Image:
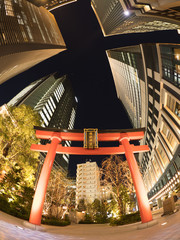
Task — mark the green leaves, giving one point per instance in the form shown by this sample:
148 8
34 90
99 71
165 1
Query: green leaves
18 163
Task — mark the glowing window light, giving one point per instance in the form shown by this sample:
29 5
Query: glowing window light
126 13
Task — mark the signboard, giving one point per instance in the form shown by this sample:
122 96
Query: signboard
90 138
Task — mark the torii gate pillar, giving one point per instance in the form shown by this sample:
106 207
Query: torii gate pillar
38 201
126 148
141 194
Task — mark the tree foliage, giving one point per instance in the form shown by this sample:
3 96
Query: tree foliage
116 171
96 212
82 206
100 209
17 162
60 196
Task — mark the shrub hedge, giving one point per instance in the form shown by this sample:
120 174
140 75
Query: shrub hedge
87 220
56 221
14 209
126 219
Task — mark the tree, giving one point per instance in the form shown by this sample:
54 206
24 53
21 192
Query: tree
60 195
100 209
18 163
116 171
81 205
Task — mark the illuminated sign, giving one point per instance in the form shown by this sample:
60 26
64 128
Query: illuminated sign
90 138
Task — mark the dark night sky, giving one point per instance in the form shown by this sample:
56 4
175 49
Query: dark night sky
86 62
92 79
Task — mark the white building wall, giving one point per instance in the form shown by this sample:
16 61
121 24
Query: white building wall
87 182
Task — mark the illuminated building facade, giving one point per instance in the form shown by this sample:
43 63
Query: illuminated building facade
51 4
116 16
28 35
147 80
87 182
54 100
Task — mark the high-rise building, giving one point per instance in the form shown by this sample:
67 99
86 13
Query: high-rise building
53 98
51 4
87 182
122 16
147 80
28 35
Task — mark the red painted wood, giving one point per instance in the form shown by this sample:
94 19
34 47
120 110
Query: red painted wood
55 147
141 194
39 196
83 151
72 136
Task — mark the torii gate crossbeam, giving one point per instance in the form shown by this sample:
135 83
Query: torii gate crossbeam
56 136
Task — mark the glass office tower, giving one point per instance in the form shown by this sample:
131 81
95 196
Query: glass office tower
54 99
51 4
28 35
147 80
122 16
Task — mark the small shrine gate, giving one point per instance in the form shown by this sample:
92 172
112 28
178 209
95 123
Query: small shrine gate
58 135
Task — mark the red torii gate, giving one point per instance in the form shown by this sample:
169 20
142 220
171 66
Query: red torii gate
58 135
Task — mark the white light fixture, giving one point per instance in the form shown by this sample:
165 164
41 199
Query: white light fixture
126 13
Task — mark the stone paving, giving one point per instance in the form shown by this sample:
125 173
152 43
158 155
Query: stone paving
170 233
168 228
13 232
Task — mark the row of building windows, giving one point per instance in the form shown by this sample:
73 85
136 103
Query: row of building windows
169 137
72 119
111 14
173 105
86 191
49 107
171 63
21 22
66 158
127 76
85 182
165 147
169 177
84 177
162 135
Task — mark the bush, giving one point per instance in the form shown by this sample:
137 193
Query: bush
13 208
126 219
55 221
101 218
87 220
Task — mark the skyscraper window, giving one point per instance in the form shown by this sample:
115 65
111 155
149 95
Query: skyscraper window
162 155
173 105
169 136
9 8
21 24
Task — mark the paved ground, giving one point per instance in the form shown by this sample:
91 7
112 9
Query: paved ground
168 228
